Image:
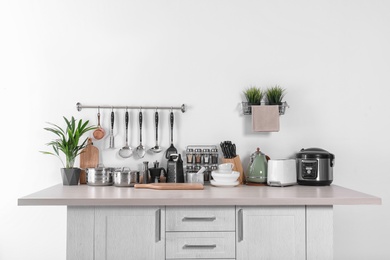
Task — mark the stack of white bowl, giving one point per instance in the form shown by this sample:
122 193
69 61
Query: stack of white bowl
225 176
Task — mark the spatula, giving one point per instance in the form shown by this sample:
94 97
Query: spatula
171 149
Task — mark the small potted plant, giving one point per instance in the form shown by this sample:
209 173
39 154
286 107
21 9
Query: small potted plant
275 96
67 142
253 96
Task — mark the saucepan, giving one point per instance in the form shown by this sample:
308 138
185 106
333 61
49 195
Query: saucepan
124 177
100 176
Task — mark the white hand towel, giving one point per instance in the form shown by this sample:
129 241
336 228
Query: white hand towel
265 118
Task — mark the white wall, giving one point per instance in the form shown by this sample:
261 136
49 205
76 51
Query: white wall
331 56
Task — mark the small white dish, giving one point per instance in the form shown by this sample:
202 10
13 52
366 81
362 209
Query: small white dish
224 184
228 177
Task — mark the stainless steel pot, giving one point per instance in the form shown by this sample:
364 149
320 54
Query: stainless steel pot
100 176
123 177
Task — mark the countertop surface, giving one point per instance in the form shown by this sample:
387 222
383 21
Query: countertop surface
84 195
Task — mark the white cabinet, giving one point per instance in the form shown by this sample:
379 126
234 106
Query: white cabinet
200 232
200 245
129 233
271 233
216 218
116 233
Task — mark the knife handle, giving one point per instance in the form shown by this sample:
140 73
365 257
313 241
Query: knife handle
112 119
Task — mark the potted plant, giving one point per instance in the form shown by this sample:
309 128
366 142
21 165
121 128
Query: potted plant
67 142
253 96
275 96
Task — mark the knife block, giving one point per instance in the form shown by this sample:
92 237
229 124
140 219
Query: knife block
237 167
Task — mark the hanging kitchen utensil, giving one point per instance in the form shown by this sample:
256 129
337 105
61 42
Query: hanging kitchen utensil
156 148
126 151
99 132
112 145
171 149
140 148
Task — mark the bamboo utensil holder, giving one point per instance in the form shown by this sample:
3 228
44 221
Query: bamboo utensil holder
237 167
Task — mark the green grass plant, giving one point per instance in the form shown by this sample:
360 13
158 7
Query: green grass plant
68 139
254 95
275 95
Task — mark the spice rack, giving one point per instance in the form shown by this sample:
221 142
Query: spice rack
198 156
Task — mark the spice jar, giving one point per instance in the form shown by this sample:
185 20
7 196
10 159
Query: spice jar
198 156
206 156
214 156
190 155
207 174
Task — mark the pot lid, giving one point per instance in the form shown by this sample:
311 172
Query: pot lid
315 153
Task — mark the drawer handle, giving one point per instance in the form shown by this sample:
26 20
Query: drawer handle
199 219
158 225
240 226
199 246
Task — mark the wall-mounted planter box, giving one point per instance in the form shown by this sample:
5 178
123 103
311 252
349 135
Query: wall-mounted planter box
247 108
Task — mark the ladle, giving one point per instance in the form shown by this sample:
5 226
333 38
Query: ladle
140 148
126 151
156 148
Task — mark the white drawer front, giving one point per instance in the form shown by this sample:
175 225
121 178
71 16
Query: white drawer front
182 245
200 218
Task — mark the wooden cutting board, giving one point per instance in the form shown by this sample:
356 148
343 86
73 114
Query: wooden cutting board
170 186
89 158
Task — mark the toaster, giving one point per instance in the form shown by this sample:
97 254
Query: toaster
282 172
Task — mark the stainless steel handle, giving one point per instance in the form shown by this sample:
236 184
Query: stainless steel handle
199 218
240 225
158 225
186 246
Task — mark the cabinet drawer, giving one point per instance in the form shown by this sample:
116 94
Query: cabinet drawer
183 245
200 218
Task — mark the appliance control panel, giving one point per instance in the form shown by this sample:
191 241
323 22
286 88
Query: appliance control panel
309 169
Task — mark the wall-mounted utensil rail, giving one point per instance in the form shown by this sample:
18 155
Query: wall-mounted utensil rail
182 108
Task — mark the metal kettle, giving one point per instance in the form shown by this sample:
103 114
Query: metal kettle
257 168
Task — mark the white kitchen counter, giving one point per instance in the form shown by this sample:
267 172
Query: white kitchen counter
101 219
84 195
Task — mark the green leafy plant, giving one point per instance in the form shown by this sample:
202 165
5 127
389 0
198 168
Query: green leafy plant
68 140
253 95
275 95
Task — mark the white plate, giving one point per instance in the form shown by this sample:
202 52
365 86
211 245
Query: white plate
224 184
